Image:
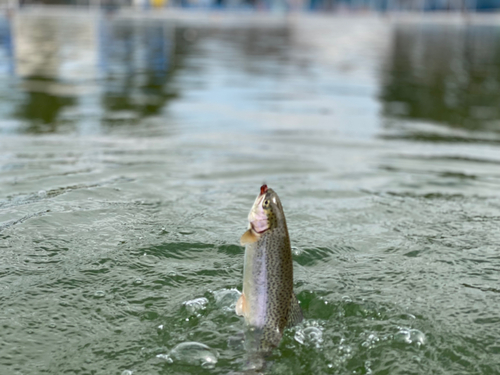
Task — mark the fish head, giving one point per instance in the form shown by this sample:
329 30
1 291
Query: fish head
267 212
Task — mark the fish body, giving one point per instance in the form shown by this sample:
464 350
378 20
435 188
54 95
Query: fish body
268 303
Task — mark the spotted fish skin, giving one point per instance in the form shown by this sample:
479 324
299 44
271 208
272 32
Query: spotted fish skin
268 303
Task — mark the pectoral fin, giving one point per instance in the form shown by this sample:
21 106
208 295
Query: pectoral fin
248 237
295 315
241 306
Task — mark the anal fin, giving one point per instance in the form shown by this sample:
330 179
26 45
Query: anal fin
295 315
241 305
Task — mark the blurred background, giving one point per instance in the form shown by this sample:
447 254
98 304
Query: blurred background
134 137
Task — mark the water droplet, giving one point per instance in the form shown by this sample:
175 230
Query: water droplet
127 372
417 336
408 316
42 194
299 337
346 299
370 341
410 336
138 281
196 305
99 294
52 325
403 336
160 327
296 251
367 367
194 353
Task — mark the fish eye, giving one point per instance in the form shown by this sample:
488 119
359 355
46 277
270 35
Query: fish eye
266 203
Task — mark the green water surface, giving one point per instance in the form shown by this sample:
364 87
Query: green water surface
131 151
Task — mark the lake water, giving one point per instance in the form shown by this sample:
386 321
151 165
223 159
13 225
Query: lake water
131 151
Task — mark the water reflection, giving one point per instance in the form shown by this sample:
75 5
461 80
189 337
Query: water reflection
75 71
6 48
136 62
54 62
112 72
259 51
86 74
445 74
42 104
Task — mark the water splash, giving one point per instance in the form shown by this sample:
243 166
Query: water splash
371 341
196 305
226 298
310 336
192 353
410 336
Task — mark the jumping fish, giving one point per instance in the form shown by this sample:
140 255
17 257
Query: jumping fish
268 302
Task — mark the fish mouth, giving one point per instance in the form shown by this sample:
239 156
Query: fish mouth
257 217
252 225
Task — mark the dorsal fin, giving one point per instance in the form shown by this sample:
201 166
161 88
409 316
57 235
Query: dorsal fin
295 315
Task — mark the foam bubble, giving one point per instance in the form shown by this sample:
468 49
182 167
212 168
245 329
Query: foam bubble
195 305
371 341
311 336
100 294
410 336
192 353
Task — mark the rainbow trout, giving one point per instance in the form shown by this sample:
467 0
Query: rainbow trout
267 303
